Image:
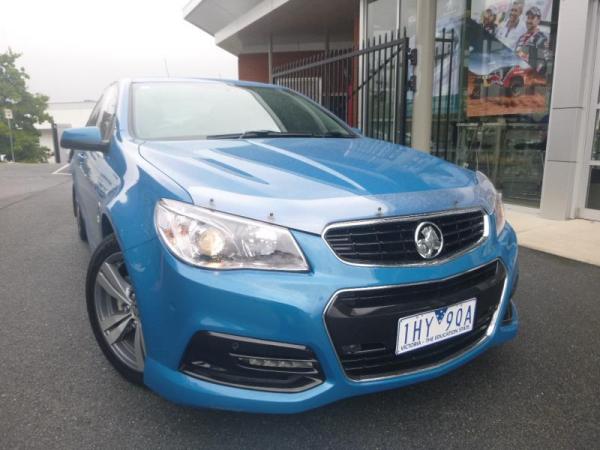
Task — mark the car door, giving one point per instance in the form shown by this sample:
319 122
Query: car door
80 171
93 174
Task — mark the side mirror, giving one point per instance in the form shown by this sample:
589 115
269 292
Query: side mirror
357 130
86 138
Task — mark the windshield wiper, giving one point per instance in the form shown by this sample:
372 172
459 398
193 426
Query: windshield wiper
259 134
335 134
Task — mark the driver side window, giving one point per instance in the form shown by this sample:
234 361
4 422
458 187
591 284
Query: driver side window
93 120
107 111
103 113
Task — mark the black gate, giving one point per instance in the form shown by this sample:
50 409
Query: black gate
369 87
365 87
445 107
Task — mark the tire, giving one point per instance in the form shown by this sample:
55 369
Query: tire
74 201
476 92
516 88
81 231
112 311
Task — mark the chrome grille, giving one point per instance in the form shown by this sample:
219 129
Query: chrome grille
391 241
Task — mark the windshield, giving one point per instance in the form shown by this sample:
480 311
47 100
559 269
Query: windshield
214 110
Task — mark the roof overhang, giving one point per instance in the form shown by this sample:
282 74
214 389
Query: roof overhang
246 26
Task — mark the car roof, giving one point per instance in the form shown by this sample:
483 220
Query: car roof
195 80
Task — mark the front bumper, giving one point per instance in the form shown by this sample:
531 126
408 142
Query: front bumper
177 301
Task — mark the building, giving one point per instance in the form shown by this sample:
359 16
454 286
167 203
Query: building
507 87
65 115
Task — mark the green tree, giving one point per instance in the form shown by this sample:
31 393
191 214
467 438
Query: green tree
28 109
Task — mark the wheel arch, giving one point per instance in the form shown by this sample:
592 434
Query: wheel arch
74 199
106 226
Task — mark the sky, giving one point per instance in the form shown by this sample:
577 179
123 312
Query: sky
73 49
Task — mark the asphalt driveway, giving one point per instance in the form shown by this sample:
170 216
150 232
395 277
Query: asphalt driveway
57 391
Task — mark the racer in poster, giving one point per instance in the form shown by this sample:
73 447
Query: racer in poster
533 46
489 20
512 28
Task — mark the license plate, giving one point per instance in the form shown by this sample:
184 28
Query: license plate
434 326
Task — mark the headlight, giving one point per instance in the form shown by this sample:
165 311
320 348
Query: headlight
214 240
494 198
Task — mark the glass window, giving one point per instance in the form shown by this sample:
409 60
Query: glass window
492 89
179 110
107 110
408 18
596 145
93 120
382 17
593 195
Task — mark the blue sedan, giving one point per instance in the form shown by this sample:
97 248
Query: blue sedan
252 252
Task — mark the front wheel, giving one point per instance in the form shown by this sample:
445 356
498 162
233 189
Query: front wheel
113 312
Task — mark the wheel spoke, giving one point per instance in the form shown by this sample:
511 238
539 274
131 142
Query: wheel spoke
115 278
113 283
113 320
117 333
138 346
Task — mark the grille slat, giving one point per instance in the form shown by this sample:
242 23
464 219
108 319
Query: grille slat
391 242
363 323
380 241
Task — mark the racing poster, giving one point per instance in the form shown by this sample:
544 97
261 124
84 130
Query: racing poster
509 57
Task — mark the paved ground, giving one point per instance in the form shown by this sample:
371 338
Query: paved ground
56 390
19 181
574 239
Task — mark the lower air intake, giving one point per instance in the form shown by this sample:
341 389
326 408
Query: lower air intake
251 363
363 323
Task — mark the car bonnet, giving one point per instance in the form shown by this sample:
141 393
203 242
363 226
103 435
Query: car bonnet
308 183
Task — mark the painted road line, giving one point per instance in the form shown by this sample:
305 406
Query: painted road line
59 171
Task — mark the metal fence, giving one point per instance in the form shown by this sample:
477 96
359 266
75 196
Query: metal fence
366 87
369 87
443 132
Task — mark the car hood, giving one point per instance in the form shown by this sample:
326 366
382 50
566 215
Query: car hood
308 183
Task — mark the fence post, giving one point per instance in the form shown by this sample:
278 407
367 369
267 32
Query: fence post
401 90
55 142
270 58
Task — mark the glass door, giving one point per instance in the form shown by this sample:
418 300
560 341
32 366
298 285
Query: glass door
590 198
382 18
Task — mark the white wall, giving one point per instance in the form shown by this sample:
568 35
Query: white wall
74 114
566 134
65 115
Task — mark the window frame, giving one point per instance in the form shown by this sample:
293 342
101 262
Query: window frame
593 109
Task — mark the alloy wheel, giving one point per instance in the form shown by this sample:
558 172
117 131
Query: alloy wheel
117 313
